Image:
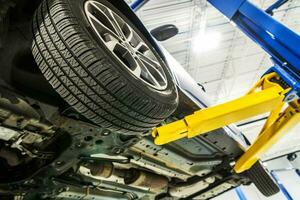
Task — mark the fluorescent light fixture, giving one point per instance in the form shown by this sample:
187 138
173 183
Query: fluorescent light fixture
206 41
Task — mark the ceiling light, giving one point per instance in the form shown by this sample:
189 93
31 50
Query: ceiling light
206 41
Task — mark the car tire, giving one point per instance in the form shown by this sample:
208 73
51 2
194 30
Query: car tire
94 78
261 178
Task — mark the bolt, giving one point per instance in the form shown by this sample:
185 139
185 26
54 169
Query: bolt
106 133
63 190
291 97
118 150
19 122
30 181
78 145
59 163
134 141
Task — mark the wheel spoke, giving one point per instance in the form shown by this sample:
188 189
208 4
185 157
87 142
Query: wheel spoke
153 67
129 34
127 58
147 75
141 47
138 70
116 23
154 64
100 20
122 52
111 42
144 50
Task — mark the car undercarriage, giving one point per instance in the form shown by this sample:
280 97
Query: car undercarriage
51 149
66 157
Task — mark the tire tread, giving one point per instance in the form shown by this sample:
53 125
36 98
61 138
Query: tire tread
85 79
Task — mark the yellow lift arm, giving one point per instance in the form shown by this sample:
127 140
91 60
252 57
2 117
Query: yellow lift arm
266 96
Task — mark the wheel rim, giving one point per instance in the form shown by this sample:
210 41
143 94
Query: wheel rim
126 45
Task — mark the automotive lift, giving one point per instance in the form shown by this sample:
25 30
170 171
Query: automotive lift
278 91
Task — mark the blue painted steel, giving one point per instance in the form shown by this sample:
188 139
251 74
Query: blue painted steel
137 4
281 43
240 193
290 80
298 172
275 6
229 7
281 186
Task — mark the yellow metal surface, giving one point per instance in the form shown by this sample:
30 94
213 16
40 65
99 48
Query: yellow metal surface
262 98
176 130
269 136
273 116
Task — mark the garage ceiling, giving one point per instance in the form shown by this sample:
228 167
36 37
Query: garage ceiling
217 54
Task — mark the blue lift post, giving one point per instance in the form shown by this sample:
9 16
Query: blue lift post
281 43
298 172
240 193
137 4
